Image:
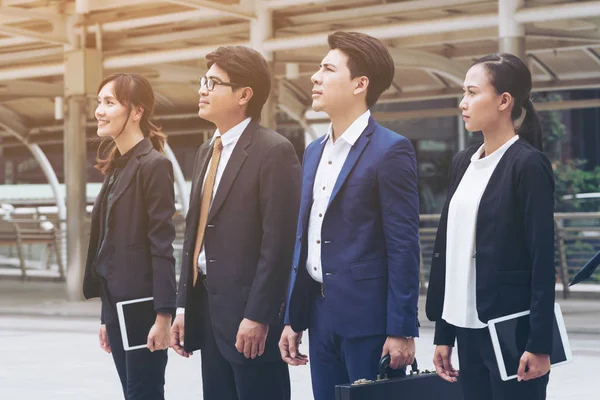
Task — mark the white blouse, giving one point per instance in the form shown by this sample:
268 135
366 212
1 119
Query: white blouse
460 305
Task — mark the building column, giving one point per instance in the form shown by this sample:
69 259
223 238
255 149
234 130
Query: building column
261 29
511 33
83 74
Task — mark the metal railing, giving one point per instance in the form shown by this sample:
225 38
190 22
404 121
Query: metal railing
21 233
577 240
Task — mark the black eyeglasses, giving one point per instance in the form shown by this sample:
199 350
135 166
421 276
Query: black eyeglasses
210 83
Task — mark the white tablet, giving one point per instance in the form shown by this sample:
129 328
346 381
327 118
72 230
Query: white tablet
136 318
509 337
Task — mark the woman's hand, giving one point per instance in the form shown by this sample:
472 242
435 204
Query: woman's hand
533 366
442 359
103 338
159 336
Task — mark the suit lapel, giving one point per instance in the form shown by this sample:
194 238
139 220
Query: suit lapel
311 163
353 156
233 167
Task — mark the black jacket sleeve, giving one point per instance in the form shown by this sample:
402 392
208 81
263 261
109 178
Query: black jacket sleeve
280 188
159 196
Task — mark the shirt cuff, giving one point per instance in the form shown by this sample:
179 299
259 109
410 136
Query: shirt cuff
180 310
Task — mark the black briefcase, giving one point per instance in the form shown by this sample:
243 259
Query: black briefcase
416 385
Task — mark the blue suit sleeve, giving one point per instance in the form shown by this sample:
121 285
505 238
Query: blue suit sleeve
397 182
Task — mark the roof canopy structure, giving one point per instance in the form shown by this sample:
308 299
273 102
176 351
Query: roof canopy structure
433 43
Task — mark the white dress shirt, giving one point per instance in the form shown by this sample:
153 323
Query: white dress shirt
460 302
229 139
333 158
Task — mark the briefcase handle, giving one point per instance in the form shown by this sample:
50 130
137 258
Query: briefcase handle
384 364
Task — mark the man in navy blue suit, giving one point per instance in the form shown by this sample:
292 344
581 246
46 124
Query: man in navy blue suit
355 276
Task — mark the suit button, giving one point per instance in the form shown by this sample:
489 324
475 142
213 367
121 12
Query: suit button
210 226
474 255
299 238
436 255
295 268
212 260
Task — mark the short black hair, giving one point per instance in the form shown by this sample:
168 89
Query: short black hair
246 67
367 56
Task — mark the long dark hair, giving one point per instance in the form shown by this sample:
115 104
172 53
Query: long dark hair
508 73
131 90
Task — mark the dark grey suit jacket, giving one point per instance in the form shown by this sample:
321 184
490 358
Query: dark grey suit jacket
138 245
249 240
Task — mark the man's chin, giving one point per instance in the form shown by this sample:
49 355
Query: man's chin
317 106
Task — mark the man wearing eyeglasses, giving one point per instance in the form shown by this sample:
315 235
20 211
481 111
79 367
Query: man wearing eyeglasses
239 236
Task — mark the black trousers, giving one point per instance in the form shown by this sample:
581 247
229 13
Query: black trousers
479 375
141 371
223 380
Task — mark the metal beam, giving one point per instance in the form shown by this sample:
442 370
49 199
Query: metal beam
31 14
556 12
38 36
191 34
231 10
374 11
593 55
542 66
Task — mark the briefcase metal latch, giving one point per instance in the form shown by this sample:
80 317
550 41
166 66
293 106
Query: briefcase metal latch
361 382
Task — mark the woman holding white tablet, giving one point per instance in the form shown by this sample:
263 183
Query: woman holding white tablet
130 253
494 250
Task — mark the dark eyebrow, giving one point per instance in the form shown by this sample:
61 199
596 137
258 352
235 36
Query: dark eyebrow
107 98
216 78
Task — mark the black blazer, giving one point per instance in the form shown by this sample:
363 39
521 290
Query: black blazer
138 244
249 240
514 245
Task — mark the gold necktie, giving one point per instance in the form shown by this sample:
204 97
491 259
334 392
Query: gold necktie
207 193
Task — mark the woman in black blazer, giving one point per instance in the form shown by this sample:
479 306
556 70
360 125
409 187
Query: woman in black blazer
130 253
494 250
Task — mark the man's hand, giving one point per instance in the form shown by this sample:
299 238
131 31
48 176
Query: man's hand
401 351
158 338
533 366
288 346
251 337
177 336
103 338
442 359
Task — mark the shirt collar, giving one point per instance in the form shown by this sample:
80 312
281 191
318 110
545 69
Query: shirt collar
120 161
354 131
232 135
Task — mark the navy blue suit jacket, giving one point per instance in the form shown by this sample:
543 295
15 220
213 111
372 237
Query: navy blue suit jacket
370 236
514 245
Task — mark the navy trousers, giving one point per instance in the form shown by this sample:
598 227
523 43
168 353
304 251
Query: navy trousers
479 375
336 360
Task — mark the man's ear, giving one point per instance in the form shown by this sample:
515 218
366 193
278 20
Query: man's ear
361 84
506 101
245 94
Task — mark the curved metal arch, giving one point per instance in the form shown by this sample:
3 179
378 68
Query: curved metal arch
417 59
182 193
10 121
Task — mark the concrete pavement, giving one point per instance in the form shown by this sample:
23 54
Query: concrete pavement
49 349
